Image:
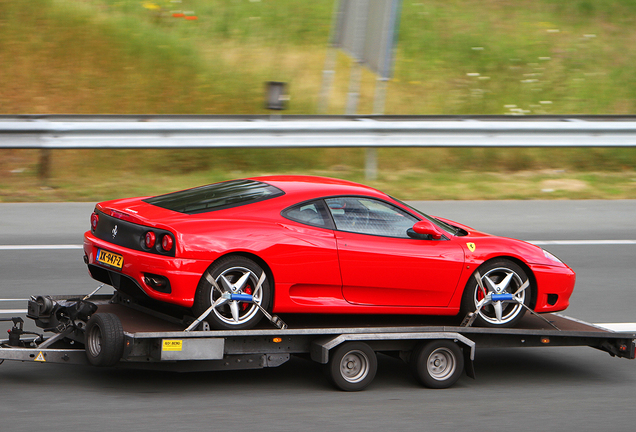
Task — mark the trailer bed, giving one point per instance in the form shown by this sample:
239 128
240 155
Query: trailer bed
157 340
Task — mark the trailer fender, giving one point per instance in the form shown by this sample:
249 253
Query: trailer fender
319 349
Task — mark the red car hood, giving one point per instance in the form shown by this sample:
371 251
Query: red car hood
518 248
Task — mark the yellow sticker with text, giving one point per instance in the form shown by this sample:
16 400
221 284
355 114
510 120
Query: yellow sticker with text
172 345
40 357
471 247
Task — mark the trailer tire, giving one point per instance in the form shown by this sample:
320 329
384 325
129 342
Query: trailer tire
104 339
352 366
437 364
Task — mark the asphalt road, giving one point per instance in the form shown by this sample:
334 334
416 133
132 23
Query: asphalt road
516 389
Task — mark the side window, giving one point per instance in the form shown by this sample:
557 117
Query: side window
369 216
311 213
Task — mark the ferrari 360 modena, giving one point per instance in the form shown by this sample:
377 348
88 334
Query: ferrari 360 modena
301 244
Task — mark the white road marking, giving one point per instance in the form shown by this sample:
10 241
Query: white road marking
619 327
39 247
12 311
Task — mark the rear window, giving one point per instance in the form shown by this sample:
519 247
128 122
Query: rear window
216 196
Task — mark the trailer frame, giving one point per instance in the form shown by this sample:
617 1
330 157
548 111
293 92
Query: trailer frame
438 350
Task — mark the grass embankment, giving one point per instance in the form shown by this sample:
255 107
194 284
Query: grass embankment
453 57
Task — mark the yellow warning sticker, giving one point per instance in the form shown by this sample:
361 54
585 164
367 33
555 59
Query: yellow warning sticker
40 357
172 345
471 247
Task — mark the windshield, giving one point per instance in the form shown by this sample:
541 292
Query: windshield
443 225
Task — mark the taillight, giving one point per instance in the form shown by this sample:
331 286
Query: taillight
167 243
150 239
94 220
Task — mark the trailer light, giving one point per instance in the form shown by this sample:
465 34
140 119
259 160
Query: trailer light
545 340
150 239
94 221
166 243
623 347
277 340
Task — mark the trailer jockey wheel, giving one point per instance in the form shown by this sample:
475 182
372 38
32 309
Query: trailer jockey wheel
104 339
352 366
437 364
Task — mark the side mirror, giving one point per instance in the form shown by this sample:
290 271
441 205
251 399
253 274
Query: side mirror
425 227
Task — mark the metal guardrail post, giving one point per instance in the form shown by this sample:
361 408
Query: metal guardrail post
371 164
44 166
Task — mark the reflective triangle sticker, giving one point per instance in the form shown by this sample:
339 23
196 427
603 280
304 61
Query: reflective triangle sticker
471 247
40 357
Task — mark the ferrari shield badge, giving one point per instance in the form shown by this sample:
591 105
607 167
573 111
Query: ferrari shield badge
471 247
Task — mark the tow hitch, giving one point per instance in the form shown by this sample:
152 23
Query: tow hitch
59 315
18 330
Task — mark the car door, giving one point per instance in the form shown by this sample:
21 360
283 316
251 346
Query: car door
381 265
306 259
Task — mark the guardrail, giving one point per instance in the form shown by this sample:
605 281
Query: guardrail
157 132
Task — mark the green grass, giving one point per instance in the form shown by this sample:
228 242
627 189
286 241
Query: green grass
96 175
453 57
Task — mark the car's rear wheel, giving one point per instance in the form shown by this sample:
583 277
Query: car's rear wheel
497 277
235 285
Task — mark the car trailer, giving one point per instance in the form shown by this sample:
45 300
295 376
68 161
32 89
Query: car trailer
117 331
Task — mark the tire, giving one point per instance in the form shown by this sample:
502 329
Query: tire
437 364
352 366
510 312
104 339
232 315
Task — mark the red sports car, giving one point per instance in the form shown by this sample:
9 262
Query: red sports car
300 244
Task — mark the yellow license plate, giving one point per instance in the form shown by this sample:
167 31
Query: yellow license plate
109 258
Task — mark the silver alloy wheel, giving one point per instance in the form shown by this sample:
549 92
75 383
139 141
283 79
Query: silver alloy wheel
236 280
441 364
501 280
94 341
354 366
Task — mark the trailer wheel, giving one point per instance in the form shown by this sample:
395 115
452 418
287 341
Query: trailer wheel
104 339
352 366
437 364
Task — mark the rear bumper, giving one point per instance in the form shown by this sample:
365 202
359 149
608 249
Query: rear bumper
183 274
554 287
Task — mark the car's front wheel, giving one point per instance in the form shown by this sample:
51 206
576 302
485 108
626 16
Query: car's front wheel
497 293
234 285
